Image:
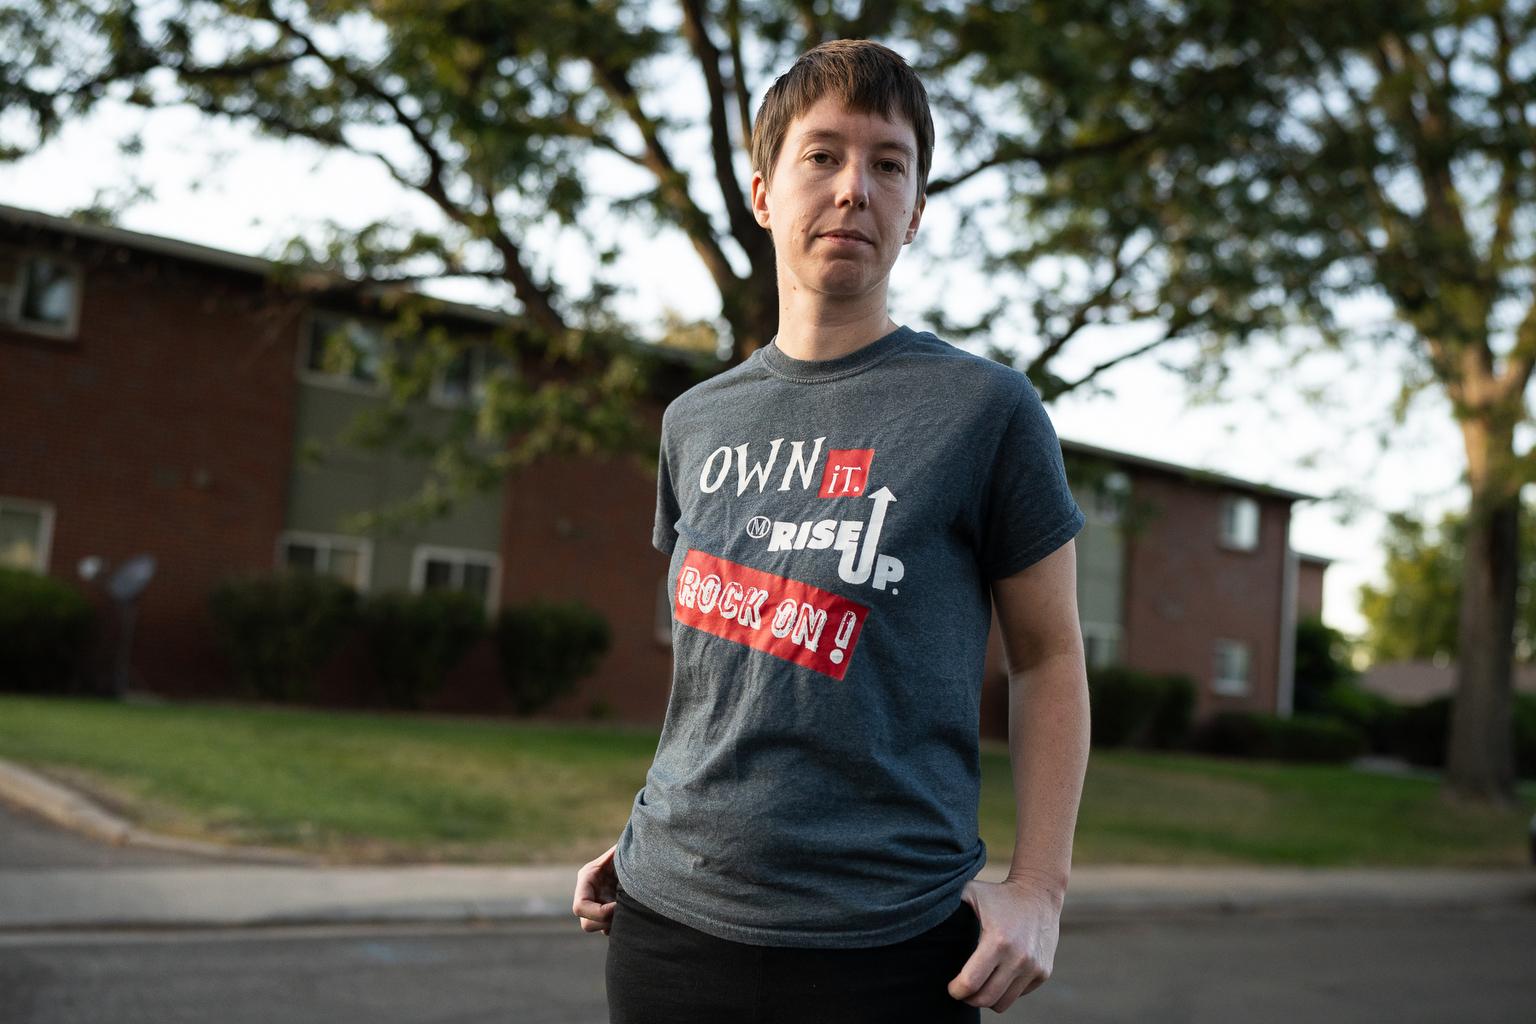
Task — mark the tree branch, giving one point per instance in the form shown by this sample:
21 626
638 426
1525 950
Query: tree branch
739 81
744 226
674 182
1509 99
536 298
1168 335
1009 152
812 31
1079 318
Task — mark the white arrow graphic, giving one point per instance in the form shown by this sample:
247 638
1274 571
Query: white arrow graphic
845 569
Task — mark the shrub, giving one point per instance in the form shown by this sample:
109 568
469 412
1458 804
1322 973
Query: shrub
1263 735
1322 665
1131 708
277 630
415 639
1423 731
1175 712
546 647
1378 717
45 625
1525 735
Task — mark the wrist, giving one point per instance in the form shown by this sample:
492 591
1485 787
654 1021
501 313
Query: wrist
1051 888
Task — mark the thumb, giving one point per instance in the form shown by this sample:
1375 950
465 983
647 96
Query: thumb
971 895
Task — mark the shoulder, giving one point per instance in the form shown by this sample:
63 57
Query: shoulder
708 393
989 384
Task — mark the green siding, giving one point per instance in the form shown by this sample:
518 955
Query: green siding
1100 564
350 481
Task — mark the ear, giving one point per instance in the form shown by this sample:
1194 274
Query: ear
917 217
760 199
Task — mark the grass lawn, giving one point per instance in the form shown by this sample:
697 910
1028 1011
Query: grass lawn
381 788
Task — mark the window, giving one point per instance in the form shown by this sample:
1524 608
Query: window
463 380
1101 644
1231 677
1239 522
344 351
1110 491
26 534
349 559
474 572
40 294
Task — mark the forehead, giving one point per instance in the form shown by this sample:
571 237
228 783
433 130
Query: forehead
829 119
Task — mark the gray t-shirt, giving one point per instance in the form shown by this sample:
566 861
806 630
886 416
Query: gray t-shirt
834 526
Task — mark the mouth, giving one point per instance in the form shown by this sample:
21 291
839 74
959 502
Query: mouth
847 236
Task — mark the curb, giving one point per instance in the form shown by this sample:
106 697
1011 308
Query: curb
258 895
76 812
287 889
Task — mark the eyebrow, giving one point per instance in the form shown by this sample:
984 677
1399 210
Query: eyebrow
825 134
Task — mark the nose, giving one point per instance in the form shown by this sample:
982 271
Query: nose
853 186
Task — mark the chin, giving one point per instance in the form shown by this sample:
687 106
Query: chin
845 280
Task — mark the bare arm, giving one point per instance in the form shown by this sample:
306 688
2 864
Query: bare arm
1048 750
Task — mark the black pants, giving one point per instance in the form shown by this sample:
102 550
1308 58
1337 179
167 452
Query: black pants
663 972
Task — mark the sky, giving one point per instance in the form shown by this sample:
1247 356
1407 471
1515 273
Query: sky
1322 427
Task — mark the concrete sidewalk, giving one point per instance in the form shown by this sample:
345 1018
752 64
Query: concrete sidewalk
228 895
223 887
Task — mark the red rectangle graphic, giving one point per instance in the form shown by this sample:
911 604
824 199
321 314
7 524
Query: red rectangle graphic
783 617
847 472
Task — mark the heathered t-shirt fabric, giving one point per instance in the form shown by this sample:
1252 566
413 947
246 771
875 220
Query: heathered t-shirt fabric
833 527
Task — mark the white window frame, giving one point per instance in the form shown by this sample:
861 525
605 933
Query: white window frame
1231 522
47 513
1223 684
11 296
1102 631
432 552
323 543
336 381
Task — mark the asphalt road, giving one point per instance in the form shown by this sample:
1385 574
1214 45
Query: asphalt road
1398 968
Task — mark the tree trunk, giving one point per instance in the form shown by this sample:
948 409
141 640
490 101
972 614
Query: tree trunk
752 310
1480 762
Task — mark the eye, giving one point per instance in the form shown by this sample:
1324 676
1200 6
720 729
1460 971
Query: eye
819 158
890 166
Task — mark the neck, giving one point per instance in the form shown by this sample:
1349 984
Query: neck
816 326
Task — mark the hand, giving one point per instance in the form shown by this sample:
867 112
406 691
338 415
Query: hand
597 885
1019 928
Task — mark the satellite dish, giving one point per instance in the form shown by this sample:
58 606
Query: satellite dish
132 577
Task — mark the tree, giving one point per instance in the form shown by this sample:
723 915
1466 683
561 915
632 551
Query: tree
1322 663
507 114
1210 170
1379 149
511 116
1413 615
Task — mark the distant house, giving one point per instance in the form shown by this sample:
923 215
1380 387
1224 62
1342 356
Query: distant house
1187 571
1416 682
160 397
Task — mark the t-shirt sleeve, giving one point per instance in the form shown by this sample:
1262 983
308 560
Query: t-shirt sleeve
664 532
1028 509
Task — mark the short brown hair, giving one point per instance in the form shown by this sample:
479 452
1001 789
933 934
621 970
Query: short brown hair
866 76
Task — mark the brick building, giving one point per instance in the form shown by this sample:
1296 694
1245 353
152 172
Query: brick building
161 397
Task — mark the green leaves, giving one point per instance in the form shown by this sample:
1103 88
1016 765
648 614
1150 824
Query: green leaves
1415 613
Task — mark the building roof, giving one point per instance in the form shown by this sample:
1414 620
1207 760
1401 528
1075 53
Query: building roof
1190 473
1414 682
262 267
